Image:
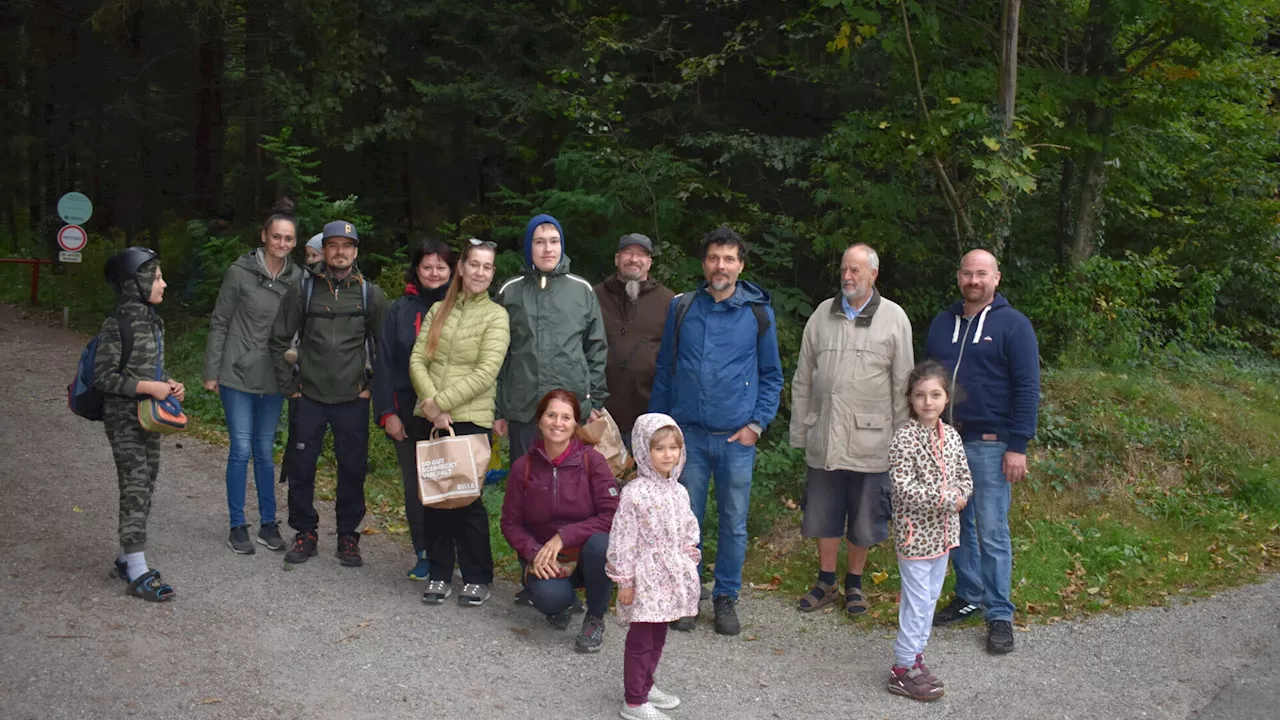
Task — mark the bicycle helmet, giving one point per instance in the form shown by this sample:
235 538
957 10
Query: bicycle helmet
124 265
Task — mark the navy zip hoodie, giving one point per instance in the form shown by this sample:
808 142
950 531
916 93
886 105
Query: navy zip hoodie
997 383
392 389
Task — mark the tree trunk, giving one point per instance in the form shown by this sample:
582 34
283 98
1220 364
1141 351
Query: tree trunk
1008 88
253 108
207 166
1088 204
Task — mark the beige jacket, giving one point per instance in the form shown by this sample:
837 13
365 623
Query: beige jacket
849 392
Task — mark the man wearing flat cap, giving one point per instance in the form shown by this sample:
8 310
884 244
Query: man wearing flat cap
634 307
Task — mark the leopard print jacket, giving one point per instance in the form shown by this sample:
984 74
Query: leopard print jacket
925 491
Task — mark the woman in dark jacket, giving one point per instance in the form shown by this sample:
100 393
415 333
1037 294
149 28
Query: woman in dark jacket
561 496
237 367
427 282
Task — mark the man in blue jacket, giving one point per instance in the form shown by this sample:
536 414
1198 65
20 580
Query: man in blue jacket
991 351
719 376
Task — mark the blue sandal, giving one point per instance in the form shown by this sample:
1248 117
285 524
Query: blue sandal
149 587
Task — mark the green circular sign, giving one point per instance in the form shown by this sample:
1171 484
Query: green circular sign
74 208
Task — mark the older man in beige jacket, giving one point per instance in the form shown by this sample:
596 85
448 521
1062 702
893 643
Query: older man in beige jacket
847 398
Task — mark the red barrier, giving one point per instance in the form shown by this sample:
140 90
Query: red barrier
35 264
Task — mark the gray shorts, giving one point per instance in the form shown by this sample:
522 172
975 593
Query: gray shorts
842 502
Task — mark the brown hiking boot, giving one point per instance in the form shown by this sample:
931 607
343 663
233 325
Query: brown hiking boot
911 682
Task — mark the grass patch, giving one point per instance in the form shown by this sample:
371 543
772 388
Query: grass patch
1147 485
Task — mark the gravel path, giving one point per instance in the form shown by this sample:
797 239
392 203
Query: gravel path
246 639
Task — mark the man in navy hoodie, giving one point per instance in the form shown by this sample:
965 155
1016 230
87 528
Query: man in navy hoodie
719 376
991 351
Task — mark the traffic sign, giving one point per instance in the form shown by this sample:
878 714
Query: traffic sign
74 208
72 238
69 257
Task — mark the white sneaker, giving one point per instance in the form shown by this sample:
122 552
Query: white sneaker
663 700
645 712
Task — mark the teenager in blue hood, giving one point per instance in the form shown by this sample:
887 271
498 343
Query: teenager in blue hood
720 377
557 337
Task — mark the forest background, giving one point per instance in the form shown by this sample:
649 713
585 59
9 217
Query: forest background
1119 156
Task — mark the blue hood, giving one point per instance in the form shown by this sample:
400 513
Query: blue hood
528 237
745 293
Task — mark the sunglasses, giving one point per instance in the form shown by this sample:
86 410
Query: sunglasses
487 243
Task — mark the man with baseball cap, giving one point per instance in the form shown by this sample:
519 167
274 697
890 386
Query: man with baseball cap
634 308
336 314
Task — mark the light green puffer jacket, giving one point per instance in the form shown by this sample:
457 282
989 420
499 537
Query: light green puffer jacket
462 377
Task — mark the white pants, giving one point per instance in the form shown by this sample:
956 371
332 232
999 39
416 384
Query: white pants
921 585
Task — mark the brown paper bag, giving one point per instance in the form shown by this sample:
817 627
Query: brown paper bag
611 445
451 469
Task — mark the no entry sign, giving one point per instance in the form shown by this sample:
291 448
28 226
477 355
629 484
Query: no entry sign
72 238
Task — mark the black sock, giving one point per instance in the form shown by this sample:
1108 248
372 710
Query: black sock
828 578
852 581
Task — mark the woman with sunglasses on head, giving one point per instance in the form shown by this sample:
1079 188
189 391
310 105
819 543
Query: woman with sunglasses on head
426 283
454 366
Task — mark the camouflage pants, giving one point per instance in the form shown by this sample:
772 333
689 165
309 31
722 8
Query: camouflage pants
137 456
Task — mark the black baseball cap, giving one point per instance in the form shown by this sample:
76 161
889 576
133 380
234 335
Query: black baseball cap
635 239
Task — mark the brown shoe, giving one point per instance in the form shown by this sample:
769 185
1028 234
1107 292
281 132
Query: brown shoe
910 682
820 596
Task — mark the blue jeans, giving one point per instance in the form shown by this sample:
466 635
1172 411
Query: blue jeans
984 560
252 420
710 454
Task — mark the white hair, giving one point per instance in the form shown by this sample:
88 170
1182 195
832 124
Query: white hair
873 258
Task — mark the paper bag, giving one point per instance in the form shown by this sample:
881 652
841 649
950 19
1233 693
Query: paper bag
451 469
611 445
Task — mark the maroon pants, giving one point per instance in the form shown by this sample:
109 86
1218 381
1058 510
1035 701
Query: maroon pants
640 659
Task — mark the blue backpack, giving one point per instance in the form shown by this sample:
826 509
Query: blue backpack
83 398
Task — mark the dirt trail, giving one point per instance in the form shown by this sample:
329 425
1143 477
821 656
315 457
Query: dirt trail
246 639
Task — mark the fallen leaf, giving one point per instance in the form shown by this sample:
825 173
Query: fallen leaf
371 531
790 504
750 638
210 701
1093 590
779 651
521 631
76 509
879 576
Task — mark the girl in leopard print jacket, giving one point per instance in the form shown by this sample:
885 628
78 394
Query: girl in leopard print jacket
931 484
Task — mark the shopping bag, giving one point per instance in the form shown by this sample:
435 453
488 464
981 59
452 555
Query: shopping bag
451 469
610 445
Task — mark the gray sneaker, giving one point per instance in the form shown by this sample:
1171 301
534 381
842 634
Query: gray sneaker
591 637
239 541
437 591
473 594
269 537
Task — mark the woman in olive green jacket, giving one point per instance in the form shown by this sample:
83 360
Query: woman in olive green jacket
237 367
454 367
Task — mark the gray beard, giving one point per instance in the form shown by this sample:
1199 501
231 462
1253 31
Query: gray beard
633 289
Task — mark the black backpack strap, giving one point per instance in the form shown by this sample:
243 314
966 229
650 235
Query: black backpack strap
762 319
126 340
682 309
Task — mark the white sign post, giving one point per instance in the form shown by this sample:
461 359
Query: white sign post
72 238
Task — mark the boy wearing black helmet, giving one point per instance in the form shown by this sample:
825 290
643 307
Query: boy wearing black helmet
135 275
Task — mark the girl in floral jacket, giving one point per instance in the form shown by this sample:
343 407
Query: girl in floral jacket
931 484
653 557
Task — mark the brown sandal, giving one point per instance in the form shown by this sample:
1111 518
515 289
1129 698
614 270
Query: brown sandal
855 603
820 596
